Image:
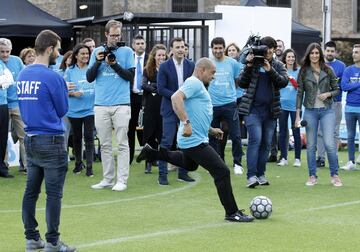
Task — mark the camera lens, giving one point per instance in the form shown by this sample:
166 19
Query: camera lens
111 57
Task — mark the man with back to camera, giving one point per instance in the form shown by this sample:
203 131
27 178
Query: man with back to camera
43 101
338 67
262 77
112 66
192 105
223 97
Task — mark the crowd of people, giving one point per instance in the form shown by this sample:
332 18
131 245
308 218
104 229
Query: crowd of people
182 112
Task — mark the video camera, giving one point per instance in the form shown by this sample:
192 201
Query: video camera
109 50
254 46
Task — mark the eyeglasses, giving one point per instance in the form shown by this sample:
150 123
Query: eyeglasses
114 35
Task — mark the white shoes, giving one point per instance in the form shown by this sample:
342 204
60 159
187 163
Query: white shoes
119 187
282 162
103 184
349 166
297 163
238 169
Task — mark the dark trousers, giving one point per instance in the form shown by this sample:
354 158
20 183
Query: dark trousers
228 113
4 128
284 134
205 156
136 103
46 160
77 127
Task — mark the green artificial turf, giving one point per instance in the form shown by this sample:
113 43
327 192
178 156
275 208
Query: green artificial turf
189 217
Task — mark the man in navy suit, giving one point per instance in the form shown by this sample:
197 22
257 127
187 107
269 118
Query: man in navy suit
171 76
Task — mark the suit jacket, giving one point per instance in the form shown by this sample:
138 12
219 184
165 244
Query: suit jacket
167 84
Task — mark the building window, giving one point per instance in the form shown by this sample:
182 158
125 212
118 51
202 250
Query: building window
279 3
184 6
88 8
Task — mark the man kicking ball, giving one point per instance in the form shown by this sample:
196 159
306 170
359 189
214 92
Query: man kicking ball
192 105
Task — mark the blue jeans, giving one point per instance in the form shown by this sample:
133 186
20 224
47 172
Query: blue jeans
168 137
261 129
351 119
326 118
228 113
284 128
46 160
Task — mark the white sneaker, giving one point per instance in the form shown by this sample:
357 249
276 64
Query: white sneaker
297 162
358 160
103 184
119 187
282 162
238 169
349 166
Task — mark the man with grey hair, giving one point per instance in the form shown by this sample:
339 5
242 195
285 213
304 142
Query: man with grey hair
15 65
192 104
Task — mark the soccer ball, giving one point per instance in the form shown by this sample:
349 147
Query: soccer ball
261 207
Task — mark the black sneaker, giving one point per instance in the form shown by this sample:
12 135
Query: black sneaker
89 171
320 162
162 180
185 178
272 159
78 168
147 153
239 216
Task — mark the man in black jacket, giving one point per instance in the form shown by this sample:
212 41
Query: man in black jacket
262 79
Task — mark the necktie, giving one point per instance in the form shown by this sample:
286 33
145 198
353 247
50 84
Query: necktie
138 74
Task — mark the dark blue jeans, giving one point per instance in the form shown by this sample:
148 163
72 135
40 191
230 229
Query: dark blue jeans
284 128
351 119
46 160
260 129
228 113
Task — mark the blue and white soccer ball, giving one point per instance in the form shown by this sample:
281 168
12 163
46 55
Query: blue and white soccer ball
261 207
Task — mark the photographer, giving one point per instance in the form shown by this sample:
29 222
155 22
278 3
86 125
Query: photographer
112 66
262 77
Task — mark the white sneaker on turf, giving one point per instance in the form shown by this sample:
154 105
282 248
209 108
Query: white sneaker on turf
238 169
349 166
119 187
103 184
282 162
297 162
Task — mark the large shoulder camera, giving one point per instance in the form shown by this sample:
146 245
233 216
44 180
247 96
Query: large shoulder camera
109 51
254 46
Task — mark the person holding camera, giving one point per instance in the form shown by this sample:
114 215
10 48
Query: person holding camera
318 83
262 77
112 66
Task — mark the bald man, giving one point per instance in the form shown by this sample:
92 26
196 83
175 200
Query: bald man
192 104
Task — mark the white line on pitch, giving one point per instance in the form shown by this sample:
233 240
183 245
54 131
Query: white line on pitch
151 235
108 202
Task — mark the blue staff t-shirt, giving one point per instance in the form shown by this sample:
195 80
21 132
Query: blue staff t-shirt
199 110
81 106
222 89
15 65
43 100
110 88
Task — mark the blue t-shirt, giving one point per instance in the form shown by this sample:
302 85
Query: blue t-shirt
338 66
15 65
43 100
350 83
199 110
3 92
56 67
288 94
222 89
81 106
110 88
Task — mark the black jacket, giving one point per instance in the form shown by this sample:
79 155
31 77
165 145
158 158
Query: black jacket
248 79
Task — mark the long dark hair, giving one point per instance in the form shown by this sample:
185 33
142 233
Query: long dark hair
63 65
76 50
150 67
295 66
305 62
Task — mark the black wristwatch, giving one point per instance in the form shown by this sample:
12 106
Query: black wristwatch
187 122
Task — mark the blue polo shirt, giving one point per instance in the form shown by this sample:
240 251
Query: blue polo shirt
199 110
110 88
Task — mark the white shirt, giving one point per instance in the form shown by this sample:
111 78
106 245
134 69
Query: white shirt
135 90
179 71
